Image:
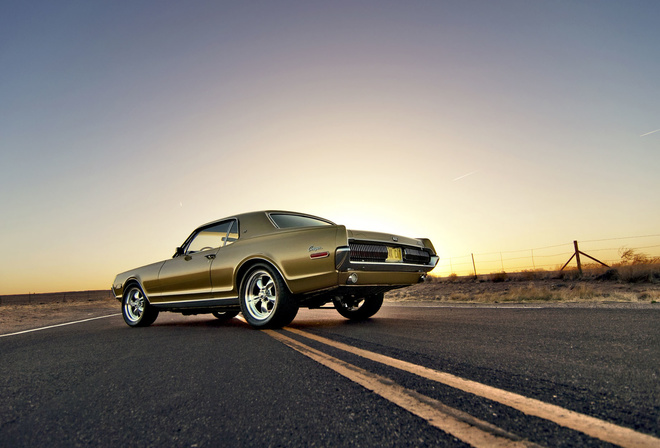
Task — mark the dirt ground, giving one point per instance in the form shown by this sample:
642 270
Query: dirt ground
14 318
19 317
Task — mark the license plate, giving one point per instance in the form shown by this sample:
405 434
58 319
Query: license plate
394 255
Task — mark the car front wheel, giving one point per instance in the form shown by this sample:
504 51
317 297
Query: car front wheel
136 309
265 299
358 308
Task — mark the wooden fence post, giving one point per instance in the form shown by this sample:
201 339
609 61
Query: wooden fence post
577 256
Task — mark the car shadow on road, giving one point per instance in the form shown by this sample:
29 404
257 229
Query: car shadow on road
301 322
206 320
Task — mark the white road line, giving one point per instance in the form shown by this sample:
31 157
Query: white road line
58 325
591 426
459 424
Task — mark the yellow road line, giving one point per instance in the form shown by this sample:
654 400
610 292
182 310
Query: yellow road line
461 425
591 426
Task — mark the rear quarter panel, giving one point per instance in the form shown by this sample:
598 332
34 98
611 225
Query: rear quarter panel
289 250
304 273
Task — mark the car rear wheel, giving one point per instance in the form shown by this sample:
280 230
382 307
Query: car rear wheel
225 315
360 308
136 309
265 299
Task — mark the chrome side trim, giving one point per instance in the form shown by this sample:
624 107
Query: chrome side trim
189 293
197 303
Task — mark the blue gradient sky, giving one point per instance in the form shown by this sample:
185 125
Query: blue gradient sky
485 126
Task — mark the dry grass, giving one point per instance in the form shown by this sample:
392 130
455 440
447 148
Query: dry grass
623 272
628 282
636 273
525 291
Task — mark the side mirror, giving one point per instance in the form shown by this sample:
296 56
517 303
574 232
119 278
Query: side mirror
179 251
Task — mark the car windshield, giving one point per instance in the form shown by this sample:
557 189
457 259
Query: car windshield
286 221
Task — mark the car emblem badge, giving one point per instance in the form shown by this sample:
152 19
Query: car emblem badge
395 238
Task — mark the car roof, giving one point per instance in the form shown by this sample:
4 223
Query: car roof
258 223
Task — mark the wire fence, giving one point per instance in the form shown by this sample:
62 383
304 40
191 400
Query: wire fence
551 258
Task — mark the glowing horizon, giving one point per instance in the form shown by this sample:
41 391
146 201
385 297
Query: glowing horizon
484 127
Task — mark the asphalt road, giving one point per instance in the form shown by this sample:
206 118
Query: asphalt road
195 381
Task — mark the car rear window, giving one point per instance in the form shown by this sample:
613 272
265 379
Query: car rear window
286 221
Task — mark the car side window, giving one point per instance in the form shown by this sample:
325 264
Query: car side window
287 221
211 237
232 236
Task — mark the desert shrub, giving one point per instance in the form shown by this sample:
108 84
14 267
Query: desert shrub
568 274
452 277
609 275
649 273
528 275
431 279
631 257
498 277
536 274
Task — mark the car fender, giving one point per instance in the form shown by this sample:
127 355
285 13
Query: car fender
245 265
146 277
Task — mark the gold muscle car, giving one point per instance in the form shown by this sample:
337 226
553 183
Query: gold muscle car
268 264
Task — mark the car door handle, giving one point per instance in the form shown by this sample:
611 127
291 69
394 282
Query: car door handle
210 256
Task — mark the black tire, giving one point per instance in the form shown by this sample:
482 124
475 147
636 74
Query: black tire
224 315
265 299
135 308
360 308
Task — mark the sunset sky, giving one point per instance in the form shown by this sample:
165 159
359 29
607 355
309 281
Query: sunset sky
486 126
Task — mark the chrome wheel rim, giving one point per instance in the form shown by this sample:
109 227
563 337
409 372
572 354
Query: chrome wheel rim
260 295
134 305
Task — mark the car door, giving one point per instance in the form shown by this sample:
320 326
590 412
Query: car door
187 276
224 266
